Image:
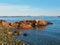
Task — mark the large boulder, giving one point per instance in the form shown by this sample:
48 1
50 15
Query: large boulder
42 23
25 25
14 24
4 23
17 32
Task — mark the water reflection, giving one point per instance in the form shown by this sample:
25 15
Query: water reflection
17 32
40 27
36 27
20 31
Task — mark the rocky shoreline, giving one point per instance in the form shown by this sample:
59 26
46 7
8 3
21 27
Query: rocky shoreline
7 37
25 24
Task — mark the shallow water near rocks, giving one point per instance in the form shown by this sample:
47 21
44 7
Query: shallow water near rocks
48 35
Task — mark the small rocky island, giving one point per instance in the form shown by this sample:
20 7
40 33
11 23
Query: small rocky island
6 36
25 24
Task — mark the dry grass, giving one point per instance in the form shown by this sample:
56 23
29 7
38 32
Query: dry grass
6 39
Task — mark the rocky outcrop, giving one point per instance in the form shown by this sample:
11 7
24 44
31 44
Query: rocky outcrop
14 24
42 23
25 24
33 23
3 23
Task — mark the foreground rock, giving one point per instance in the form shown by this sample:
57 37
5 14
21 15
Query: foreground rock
6 38
17 32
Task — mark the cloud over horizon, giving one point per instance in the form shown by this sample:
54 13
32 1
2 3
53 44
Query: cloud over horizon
25 10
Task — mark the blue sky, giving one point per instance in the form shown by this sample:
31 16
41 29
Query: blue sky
30 7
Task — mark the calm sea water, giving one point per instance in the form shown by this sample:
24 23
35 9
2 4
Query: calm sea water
49 35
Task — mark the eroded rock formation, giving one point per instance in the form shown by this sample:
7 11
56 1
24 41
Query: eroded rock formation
25 24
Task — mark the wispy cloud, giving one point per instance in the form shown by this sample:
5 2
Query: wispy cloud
25 10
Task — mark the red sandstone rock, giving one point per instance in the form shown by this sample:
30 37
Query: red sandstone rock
4 24
14 24
41 22
25 25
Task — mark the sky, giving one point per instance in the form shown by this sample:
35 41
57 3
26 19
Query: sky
29 7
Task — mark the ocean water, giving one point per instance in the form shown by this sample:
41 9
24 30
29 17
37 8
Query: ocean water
48 35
